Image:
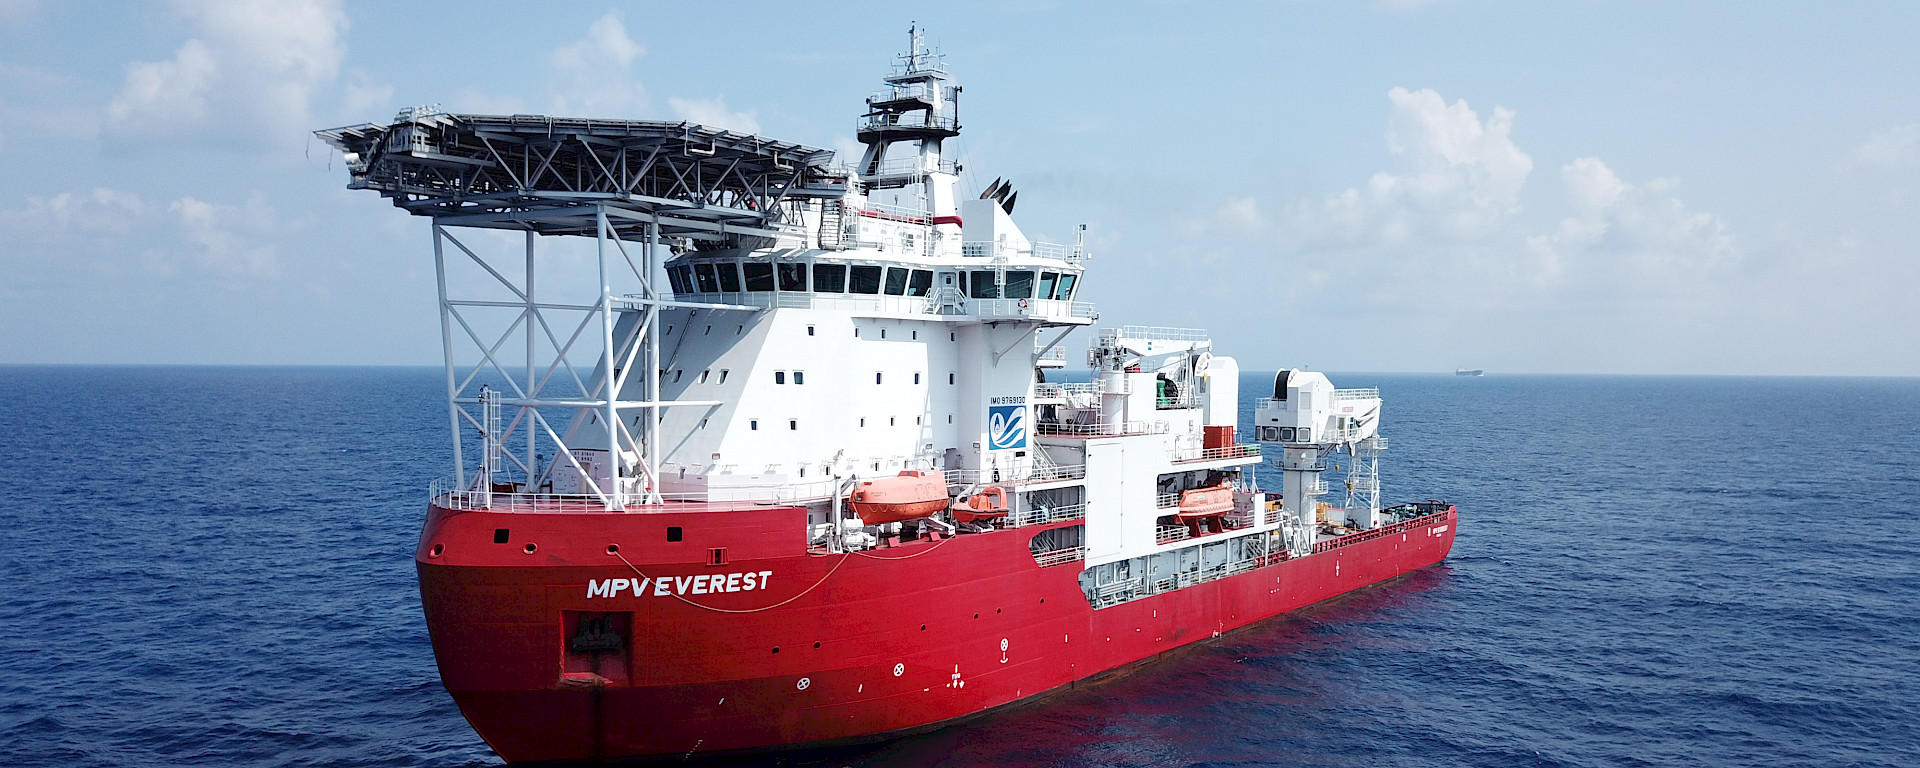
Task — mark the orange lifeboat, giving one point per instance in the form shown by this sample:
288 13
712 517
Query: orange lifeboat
990 503
1201 505
914 493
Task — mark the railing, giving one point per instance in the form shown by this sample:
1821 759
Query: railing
1030 474
449 495
1168 534
1044 515
894 213
1213 454
1369 393
992 249
1153 333
1114 429
847 302
1030 308
1385 530
1166 501
1185 400
1060 556
881 122
1055 355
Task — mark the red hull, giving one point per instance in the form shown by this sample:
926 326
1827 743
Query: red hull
868 644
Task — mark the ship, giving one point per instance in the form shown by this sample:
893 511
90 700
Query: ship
1468 372
754 449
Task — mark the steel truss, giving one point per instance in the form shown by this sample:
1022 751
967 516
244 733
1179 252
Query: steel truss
623 183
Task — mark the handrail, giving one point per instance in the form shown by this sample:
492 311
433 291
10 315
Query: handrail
1060 556
1385 530
1101 429
1211 454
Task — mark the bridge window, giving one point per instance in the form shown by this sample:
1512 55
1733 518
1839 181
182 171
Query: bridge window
896 281
981 285
681 277
759 277
830 278
921 283
729 276
1019 284
1047 281
865 280
1066 286
703 274
793 277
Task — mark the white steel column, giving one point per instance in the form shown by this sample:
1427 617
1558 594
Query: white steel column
526 414
446 345
611 398
652 289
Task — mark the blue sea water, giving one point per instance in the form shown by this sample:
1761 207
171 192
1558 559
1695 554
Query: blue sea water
210 566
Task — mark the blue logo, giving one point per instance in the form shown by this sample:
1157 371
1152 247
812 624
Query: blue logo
1006 427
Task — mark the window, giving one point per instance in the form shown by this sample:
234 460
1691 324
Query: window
729 276
951 336
889 421
703 375
916 377
759 277
809 330
830 278
703 425
982 285
876 377
1019 284
799 377
723 375
963 282
921 283
949 377
793 424
793 277
681 277
896 281
703 275
673 533
779 377
1066 287
865 280
883 333
676 374
753 424
1047 281
709 330
863 422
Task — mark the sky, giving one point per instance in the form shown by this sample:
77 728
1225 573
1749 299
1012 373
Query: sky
1524 187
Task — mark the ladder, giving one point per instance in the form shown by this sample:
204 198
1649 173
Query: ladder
832 222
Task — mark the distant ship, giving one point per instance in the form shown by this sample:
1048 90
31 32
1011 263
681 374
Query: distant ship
802 479
1468 372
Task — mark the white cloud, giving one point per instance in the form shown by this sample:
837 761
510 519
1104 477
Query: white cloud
1891 148
1449 221
1641 233
595 72
713 113
1460 179
231 241
249 73
106 231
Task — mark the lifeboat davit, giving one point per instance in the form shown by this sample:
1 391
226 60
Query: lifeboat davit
914 493
1201 505
990 503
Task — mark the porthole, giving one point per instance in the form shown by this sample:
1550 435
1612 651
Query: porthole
613 549
530 548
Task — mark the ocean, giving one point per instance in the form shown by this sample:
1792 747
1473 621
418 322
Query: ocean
212 566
